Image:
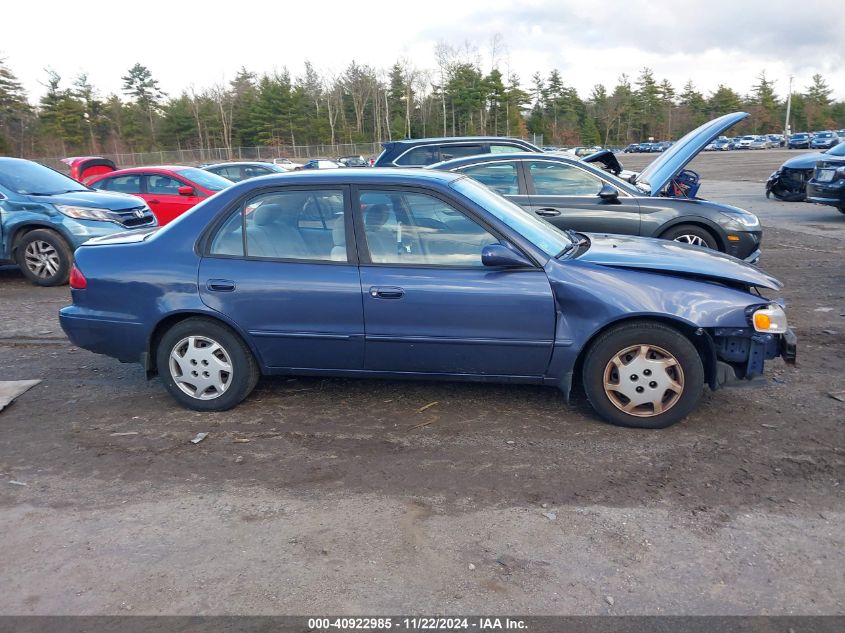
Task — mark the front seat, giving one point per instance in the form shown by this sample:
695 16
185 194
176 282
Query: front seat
380 239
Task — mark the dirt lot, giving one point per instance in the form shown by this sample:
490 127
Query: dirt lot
348 497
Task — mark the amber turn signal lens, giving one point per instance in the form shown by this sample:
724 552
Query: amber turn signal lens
762 321
733 238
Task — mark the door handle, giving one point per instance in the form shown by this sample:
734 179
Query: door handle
154 201
547 213
386 292
220 285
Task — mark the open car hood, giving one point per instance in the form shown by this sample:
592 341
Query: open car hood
659 172
674 258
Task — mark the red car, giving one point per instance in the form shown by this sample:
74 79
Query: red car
170 190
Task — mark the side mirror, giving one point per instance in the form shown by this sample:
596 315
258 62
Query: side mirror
185 190
608 193
499 255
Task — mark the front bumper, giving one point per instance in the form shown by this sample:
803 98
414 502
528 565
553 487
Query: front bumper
828 193
747 247
741 353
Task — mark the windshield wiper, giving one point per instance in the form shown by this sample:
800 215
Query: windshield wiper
577 242
53 193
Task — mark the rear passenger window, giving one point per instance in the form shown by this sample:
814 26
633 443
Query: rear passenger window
423 155
123 184
500 177
448 152
306 225
505 149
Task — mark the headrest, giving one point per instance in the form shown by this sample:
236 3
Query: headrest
376 215
268 213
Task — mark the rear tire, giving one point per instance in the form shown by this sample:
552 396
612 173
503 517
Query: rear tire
44 257
657 366
205 365
692 235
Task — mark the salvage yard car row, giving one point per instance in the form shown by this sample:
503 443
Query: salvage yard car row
497 262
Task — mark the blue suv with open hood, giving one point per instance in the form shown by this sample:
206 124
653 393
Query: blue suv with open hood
45 216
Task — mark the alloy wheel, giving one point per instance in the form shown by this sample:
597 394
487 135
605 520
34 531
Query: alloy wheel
643 380
694 240
201 367
42 259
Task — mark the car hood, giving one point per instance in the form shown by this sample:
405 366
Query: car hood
101 199
674 258
659 172
804 161
124 237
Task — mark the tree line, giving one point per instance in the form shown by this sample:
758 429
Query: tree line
460 96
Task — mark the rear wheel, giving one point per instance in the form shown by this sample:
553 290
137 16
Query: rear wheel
643 374
206 366
691 234
44 257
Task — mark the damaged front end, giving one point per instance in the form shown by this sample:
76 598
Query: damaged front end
789 185
741 352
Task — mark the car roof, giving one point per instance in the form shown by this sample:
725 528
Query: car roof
489 158
158 168
452 139
239 163
383 175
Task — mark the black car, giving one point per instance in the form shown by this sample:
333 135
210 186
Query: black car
789 182
827 186
419 152
633 148
799 140
572 194
353 161
825 140
244 170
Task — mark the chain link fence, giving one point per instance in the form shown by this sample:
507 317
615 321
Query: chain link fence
296 153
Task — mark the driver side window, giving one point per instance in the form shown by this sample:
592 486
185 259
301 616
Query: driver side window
418 229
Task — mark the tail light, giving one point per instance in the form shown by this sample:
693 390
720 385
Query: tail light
77 280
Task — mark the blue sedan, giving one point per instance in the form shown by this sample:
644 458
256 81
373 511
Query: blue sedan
416 274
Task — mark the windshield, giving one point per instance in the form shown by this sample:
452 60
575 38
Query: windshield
551 240
837 150
206 179
824 135
28 178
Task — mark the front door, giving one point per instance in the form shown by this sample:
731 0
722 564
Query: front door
280 269
430 306
567 196
162 194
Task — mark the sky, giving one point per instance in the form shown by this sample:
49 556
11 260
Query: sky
188 44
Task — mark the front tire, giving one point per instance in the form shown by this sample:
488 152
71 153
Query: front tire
692 235
205 366
44 257
643 374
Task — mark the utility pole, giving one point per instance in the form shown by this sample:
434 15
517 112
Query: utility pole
786 128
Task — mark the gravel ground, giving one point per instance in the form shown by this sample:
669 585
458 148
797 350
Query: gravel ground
321 495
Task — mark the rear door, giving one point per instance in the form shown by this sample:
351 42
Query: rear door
567 196
297 298
162 194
